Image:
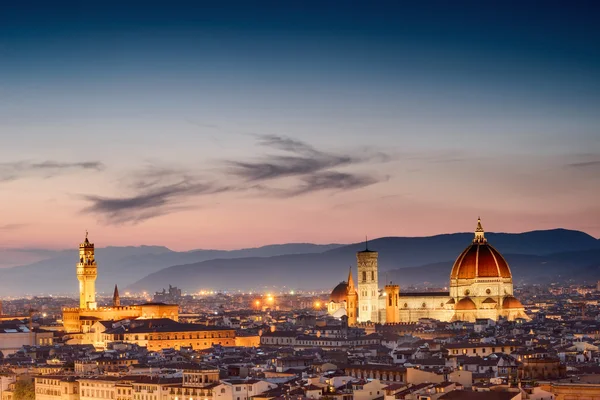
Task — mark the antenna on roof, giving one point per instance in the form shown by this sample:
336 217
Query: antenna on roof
366 243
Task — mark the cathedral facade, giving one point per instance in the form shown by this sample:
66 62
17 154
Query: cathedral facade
480 287
81 319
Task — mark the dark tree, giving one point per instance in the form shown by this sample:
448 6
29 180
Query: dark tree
24 390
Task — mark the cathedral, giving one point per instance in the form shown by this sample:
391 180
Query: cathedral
81 319
480 287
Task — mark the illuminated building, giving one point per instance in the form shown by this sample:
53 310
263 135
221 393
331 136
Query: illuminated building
481 286
344 300
163 333
81 319
368 285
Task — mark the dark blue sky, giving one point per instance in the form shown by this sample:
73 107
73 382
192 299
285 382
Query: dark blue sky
502 93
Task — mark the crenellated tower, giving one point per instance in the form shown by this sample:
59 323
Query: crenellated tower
368 285
87 272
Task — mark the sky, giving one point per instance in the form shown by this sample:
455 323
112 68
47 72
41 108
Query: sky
222 124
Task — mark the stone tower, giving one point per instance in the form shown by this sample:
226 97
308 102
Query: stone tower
352 297
116 298
87 271
368 285
392 293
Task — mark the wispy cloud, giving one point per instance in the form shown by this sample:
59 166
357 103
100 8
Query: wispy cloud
312 167
585 164
11 227
333 181
23 169
155 192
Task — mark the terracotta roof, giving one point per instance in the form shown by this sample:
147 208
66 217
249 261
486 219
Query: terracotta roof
465 304
471 395
511 302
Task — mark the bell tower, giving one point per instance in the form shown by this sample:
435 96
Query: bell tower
368 285
87 271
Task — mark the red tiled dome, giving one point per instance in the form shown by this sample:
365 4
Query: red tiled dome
480 260
465 304
339 293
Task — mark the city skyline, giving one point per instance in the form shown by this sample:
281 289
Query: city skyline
235 126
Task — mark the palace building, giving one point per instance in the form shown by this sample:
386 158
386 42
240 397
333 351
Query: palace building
81 319
481 286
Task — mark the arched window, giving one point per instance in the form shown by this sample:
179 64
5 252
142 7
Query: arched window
364 276
372 275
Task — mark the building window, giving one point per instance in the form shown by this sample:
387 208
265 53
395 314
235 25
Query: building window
364 274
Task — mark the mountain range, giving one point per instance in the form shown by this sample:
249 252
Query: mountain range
122 265
535 256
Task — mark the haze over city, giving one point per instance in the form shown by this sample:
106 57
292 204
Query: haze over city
229 126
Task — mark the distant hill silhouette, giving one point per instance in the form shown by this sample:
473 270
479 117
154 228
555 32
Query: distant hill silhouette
405 260
122 265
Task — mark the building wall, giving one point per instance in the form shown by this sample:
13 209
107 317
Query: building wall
482 351
247 341
496 288
370 391
413 308
396 375
198 340
55 388
11 342
465 378
240 391
149 311
94 389
417 376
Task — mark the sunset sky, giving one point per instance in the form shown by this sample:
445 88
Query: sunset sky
246 123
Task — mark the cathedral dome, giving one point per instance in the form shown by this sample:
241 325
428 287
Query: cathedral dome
480 260
511 302
339 293
465 304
